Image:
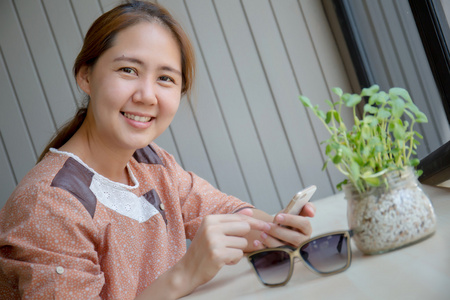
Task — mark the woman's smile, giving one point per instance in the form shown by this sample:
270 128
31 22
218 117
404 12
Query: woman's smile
140 122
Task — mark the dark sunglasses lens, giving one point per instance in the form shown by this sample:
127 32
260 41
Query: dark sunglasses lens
327 254
272 266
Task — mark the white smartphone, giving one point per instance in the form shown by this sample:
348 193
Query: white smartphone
299 200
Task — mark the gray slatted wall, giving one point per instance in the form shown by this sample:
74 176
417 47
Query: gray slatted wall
244 131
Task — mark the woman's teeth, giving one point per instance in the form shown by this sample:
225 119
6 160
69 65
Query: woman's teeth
137 118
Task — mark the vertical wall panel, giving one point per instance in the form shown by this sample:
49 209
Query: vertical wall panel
14 132
86 11
67 36
107 5
302 141
232 103
309 73
446 7
47 60
24 78
258 93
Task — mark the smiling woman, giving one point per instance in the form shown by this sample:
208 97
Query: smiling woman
106 212
135 89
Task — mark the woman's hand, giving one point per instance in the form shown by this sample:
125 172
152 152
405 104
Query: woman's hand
219 241
285 229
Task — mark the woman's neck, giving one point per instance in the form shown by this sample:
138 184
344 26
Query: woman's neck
104 159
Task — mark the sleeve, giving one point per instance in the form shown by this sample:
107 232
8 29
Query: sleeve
48 247
198 197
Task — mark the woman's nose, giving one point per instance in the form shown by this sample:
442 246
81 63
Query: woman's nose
146 94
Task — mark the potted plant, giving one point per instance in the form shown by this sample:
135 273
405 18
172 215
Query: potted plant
387 208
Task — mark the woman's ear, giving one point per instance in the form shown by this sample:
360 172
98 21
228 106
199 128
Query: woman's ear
83 77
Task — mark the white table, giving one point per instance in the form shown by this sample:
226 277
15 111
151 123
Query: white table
420 271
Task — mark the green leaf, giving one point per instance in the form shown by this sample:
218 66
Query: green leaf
336 159
358 160
383 114
398 106
382 98
421 117
320 114
340 184
370 91
354 170
352 100
375 140
337 91
328 117
418 135
399 130
414 162
325 165
330 104
379 149
366 132
306 102
399 92
410 115
412 107
373 99
370 120
370 109
337 117
373 181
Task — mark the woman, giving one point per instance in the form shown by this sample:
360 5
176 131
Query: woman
106 212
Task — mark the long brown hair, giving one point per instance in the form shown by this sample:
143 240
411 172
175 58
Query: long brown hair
100 37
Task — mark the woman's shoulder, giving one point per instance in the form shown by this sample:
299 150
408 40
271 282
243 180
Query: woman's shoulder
154 155
38 185
42 174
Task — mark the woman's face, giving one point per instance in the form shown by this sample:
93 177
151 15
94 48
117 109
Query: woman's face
134 87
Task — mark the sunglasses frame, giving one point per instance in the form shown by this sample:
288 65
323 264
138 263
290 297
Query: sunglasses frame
294 252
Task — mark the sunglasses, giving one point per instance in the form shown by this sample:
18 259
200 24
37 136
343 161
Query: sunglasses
326 254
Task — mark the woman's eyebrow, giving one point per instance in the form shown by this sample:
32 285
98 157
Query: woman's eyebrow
129 59
170 69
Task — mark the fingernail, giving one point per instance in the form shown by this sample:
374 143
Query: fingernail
267 227
264 235
280 218
257 243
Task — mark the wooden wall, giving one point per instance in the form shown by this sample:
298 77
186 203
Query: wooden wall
244 131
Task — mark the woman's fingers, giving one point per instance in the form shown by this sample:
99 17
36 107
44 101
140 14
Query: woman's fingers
269 241
299 223
309 210
240 221
288 229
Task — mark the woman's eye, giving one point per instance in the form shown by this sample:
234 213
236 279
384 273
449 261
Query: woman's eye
128 70
166 78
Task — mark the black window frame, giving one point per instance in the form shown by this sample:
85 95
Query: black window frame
434 31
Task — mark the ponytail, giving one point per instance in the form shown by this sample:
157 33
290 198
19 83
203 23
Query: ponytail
65 132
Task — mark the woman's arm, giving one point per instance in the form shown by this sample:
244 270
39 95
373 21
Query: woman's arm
220 240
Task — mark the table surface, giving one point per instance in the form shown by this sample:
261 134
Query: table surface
419 271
